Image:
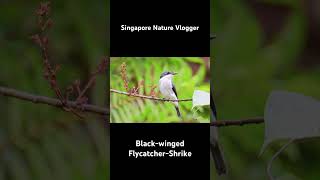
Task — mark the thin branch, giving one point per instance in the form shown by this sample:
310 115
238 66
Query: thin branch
50 71
276 155
146 97
101 69
240 122
51 101
103 111
42 40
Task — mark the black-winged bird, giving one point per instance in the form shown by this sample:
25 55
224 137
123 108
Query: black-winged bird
215 148
168 90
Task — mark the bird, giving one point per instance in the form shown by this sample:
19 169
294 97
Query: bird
215 147
168 90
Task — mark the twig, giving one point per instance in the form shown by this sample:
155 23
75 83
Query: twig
50 71
42 40
276 155
124 76
102 67
51 101
240 122
147 97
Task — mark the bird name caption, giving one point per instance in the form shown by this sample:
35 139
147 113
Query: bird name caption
159 28
172 152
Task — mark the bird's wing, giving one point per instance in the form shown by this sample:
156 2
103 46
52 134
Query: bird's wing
213 107
174 90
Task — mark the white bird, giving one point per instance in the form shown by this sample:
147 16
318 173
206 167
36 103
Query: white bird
168 90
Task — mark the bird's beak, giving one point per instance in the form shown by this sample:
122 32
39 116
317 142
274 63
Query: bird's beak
212 37
174 73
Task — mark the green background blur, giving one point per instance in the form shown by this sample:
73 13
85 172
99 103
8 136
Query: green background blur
39 142
262 46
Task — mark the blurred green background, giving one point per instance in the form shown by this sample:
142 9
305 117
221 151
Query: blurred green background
262 46
39 142
193 74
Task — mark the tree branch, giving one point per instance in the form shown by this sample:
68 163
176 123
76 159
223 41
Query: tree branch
51 101
146 97
104 111
240 122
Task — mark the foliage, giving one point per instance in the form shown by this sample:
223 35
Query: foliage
145 73
245 71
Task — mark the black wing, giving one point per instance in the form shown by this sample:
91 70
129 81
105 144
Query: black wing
174 90
213 107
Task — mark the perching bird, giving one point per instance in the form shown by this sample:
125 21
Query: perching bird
214 144
168 90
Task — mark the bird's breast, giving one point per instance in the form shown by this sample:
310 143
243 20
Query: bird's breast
165 87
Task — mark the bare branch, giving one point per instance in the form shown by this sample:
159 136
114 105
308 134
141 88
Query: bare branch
146 97
240 122
51 101
104 111
101 69
50 71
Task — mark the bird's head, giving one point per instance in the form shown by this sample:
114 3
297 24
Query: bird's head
167 74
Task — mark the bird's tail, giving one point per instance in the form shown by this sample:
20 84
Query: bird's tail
178 111
218 159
